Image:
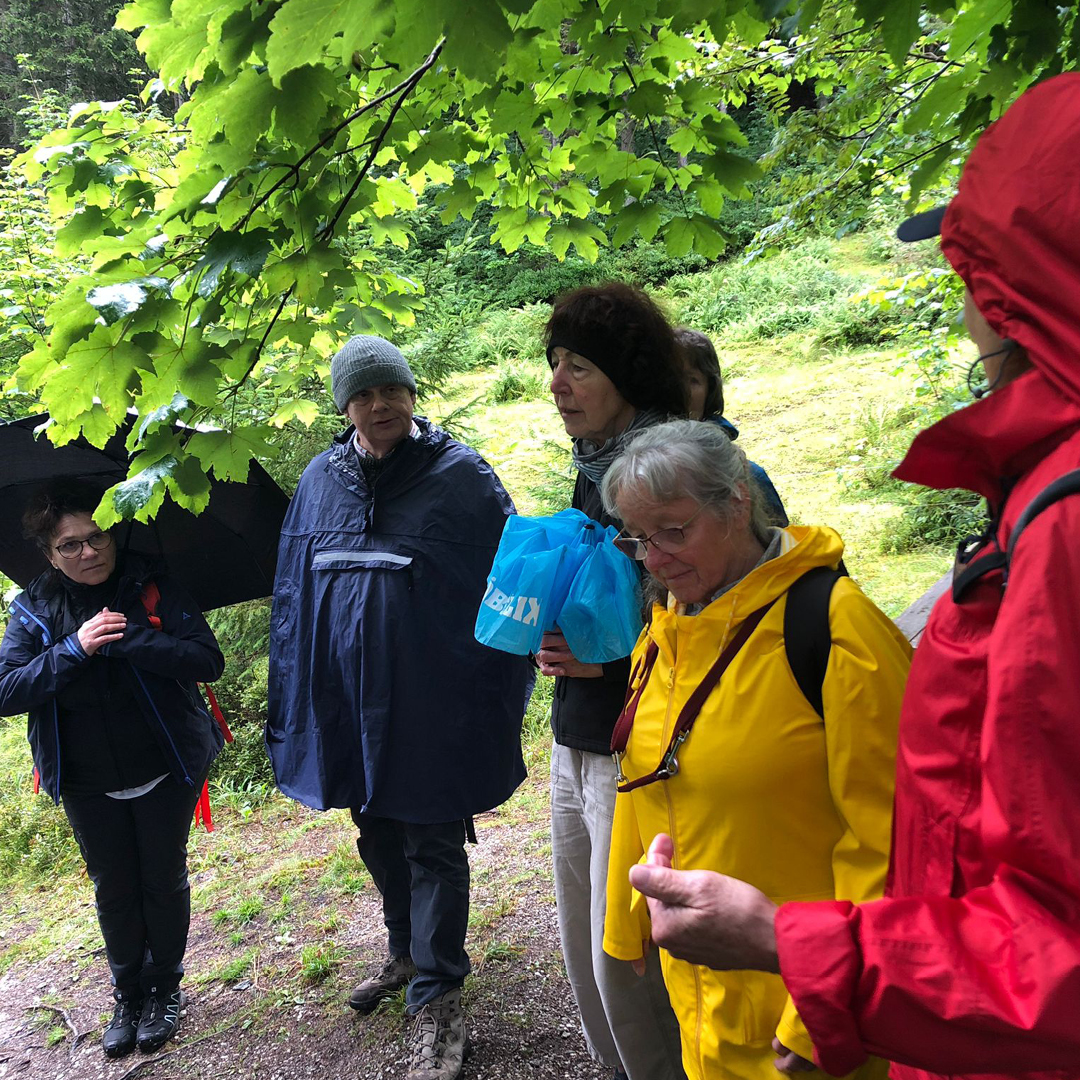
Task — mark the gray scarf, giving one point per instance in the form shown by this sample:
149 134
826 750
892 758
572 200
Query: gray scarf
594 461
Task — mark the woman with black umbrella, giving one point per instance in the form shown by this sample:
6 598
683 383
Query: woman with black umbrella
102 654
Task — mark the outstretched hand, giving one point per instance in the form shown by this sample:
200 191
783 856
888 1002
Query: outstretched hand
706 918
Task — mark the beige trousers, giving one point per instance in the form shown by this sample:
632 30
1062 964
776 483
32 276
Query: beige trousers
627 1020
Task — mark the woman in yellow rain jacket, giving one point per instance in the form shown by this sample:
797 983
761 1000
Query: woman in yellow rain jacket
749 777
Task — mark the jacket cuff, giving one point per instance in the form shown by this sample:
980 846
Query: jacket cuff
71 644
820 965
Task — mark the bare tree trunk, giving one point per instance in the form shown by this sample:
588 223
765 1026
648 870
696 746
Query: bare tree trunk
71 77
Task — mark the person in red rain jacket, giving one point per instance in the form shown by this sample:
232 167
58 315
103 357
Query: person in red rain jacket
971 964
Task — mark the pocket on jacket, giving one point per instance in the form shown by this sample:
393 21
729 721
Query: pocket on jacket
937 863
362 559
281 613
760 999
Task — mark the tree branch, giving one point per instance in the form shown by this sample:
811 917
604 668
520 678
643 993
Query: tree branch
293 171
405 89
235 388
76 1035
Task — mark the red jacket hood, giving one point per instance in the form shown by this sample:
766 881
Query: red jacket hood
1013 235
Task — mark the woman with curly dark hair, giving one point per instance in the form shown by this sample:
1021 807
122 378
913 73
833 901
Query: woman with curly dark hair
615 369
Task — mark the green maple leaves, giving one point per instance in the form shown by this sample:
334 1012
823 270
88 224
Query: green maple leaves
230 252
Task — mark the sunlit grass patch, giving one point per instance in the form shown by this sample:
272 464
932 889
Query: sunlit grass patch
246 910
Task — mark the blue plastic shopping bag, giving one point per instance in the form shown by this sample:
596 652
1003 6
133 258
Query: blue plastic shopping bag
534 568
517 604
601 615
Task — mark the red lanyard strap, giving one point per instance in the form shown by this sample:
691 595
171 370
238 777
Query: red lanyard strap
669 764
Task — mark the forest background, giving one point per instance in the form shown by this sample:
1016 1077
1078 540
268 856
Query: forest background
201 201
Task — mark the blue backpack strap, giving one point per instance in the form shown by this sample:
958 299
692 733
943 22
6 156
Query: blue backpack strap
1062 487
807 636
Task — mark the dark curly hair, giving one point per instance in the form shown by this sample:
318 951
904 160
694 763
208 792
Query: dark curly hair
52 501
622 330
700 354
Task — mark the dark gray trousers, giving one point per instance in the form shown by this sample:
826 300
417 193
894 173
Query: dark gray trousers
422 872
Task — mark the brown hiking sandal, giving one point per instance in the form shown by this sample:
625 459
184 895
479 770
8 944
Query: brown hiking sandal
395 973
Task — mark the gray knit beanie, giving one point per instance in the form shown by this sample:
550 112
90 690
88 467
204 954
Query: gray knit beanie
364 362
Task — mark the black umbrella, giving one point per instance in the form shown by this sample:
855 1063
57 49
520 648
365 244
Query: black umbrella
222 556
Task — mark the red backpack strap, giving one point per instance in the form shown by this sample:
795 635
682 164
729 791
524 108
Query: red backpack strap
669 764
202 809
37 780
215 710
151 597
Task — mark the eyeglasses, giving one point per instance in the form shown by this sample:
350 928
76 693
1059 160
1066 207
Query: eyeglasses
72 549
666 540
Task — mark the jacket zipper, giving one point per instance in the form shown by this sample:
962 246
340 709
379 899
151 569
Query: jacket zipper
165 730
672 832
46 636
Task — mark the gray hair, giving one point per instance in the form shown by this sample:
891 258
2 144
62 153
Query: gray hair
684 459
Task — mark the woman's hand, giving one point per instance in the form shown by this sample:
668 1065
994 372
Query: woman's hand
640 963
555 658
104 627
789 1062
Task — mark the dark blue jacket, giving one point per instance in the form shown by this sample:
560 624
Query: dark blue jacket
774 507
36 663
380 698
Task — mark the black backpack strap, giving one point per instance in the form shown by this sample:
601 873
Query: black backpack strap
968 567
964 578
1069 484
807 637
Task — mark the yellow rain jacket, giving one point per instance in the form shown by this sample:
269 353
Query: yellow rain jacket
766 791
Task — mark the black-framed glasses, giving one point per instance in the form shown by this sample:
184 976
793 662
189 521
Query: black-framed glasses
72 549
666 540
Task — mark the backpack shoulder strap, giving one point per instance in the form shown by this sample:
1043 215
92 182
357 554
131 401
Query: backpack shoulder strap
151 596
807 637
1055 491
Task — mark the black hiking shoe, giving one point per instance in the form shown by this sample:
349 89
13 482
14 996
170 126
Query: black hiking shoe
160 1019
119 1036
398 971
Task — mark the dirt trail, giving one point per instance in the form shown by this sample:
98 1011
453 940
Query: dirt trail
266 990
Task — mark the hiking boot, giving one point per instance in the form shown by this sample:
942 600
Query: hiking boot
397 972
440 1043
160 1019
119 1036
